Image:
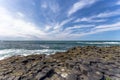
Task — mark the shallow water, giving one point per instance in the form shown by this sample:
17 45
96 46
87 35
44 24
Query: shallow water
11 48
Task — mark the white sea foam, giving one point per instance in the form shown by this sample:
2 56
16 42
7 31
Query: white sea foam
14 52
112 42
99 42
44 46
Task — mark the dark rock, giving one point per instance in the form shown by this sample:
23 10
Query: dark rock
103 78
46 72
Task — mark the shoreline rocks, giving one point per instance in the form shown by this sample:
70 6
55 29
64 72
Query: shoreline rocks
78 63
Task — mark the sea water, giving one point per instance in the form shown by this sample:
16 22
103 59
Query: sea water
24 48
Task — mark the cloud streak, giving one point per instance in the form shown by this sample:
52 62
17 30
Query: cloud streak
60 25
99 17
89 19
80 5
108 14
99 29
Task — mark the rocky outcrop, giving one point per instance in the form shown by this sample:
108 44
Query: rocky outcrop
78 63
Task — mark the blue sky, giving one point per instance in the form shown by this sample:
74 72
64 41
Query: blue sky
59 19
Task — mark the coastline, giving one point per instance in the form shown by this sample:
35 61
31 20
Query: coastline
77 63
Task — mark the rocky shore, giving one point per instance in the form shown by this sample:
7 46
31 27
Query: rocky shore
78 63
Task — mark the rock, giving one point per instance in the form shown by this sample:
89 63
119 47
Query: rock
70 64
64 75
17 78
78 63
72 77
46 72
11 78
84 69
40 76
103 78
83 77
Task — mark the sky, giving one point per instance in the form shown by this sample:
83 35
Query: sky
59 19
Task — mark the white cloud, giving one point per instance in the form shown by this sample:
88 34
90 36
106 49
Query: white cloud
118 3
56 30
68 33
17 27
44 5
13 27
108 26
47 27
80 5
98 29
59 25
103 28
89 19
78 27
50 5
108 14
20 14
95 18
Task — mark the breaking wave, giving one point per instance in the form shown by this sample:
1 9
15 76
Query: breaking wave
99 43
23 52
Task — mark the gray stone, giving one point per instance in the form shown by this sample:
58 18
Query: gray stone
72 77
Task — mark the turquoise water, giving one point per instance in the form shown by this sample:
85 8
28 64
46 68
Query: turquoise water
11 48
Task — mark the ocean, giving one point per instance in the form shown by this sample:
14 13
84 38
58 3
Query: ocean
24 48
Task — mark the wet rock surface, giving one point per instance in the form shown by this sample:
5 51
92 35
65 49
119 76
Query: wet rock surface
78 63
